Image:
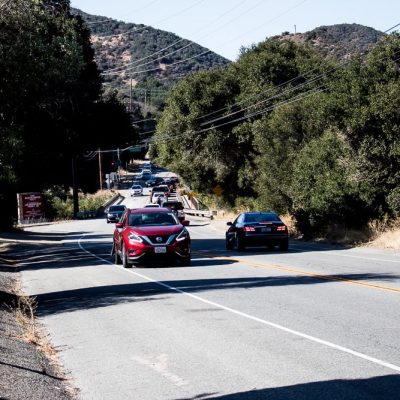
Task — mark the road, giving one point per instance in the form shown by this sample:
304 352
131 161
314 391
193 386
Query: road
317 322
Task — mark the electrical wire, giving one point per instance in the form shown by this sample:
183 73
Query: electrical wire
124 68
130 13
178 41
156 23
301 96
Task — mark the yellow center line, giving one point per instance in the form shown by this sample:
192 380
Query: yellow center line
300 272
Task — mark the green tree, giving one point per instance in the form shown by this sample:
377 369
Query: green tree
322 186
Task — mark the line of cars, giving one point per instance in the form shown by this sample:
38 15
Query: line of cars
157 231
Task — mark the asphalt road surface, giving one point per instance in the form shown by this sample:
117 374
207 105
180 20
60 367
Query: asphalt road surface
316 322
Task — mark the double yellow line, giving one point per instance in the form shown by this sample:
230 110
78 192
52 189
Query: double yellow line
314 275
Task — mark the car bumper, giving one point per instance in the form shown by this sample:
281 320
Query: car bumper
263 239
113 219
145 253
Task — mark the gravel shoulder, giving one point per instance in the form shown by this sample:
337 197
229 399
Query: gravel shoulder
28 364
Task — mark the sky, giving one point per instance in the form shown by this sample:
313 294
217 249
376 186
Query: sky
224 26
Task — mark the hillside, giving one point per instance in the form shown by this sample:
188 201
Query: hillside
341 41
154 60
134 47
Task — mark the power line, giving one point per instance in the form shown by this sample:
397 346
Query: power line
125 68
301 96
158 68
180 40
271 89
156 23
130 13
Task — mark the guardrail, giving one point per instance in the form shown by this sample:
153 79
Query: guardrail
199 213
100 211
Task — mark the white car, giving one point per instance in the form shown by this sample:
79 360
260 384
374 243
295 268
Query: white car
158 197
136 190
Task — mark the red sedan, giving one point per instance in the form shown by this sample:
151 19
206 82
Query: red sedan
150 234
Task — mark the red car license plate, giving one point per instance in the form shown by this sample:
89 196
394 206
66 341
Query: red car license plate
160 250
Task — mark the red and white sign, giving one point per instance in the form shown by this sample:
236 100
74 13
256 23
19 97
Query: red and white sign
30 206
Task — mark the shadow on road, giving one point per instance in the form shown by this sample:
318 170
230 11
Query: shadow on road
376 388
104 296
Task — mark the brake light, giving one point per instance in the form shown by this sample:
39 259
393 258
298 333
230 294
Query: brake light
281 228
249 229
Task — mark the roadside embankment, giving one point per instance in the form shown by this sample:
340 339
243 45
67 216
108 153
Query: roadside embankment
28 363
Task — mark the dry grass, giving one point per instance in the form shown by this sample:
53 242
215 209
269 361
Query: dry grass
385 235
24 313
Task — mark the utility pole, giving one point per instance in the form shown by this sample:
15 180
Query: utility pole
74 189
295 29
130 99
100 172
145 100
118 164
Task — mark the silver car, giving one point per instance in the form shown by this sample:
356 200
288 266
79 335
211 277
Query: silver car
136 190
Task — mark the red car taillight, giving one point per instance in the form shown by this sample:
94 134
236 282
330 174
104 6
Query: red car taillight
249 229
281 228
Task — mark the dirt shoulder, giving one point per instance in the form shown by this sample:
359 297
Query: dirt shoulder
28 364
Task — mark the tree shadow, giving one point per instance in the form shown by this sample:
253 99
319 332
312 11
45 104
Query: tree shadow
218 245
377 388
28 236
104 296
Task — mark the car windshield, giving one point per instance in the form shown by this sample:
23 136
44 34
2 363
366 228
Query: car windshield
261 217
136 187
154 218
116 208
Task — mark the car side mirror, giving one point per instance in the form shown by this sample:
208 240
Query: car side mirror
229 223
185 222
119 225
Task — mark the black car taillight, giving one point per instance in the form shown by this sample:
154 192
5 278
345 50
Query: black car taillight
249 229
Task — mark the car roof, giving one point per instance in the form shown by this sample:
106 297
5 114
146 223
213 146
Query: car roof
259 212
148 210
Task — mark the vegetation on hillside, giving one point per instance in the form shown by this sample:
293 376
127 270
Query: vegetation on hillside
284 128
51 106
135 51
340 41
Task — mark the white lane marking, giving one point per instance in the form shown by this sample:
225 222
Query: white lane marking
336 253
256 319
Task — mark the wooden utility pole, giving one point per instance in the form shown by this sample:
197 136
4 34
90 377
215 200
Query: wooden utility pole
75 189
130 99
100 172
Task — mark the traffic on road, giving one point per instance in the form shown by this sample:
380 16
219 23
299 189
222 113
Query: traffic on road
307 321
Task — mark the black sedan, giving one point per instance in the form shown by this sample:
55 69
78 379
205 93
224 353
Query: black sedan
257 229
114 213
153 182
